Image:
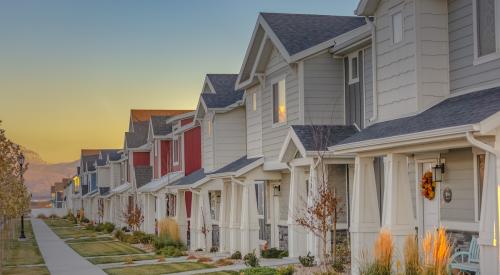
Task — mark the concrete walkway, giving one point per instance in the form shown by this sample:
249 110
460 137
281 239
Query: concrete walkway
59 258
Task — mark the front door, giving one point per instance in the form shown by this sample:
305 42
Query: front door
430 208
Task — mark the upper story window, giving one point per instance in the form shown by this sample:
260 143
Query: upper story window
353 68
397 27
279 102
486 30
175 150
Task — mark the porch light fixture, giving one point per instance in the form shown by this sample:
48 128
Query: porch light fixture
276 190
438 171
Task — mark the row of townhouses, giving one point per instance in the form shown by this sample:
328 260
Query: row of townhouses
400 89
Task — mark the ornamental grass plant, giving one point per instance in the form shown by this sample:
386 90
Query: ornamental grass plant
169 228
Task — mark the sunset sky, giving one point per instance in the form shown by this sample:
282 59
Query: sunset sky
70 71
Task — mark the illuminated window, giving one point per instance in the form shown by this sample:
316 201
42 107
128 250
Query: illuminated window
279 102
397 27
76 184
254 101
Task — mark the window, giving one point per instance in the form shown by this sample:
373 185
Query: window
486 30
397 27
214 201
175 151
254 101
279 102
170 201
353 68
259 193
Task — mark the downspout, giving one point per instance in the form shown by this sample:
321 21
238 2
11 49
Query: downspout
374 68
472 140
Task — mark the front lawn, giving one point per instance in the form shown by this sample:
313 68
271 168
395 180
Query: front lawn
108 248
24 252
58 223
73 232
121 259
224 273
89 240
36 270
157 269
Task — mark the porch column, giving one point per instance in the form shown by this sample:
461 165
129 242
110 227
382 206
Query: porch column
180 214
249 220
206 220
365 219
397 213
313 242
234 220
297 235
194 222
488 226
224 220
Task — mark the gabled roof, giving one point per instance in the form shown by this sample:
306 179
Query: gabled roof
222 91
143 175
299 32
137 115
159 125
295 36
105 154
190 179
237 165
463 110
88 162
139 136
307 139
366 7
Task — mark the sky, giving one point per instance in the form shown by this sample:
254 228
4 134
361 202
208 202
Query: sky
70 71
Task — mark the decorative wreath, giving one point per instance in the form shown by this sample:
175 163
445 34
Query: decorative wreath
428 186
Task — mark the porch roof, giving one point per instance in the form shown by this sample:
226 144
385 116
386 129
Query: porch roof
191 178
104 191
121 188
235 166
463 110
143 175
157 184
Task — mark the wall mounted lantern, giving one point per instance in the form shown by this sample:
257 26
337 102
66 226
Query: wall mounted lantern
438 171
276 190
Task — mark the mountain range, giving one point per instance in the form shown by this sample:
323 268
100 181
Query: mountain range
41 175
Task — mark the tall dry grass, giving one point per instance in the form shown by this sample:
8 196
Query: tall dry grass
437 251
168 228
384 249
411 256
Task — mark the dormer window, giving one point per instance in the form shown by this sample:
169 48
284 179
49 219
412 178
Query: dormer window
486 30
279 102
353 68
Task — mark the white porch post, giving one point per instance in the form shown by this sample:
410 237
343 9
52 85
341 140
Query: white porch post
180 213
398 208
194 222
234 221
489 224
313 242
224 219
206 219
297 235
249 220
365 218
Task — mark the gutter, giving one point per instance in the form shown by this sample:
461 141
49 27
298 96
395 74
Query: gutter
374 68
479 144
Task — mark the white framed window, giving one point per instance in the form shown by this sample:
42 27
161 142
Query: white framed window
353 68
171 204
397 27
254 101
486 28
175 151
279 102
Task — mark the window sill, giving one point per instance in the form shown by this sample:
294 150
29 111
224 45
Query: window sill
487 58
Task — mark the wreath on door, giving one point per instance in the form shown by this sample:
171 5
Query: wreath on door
428 186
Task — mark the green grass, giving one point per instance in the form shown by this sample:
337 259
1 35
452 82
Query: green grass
90 249
73 232
24 252
38 270
89 240
156 269
224 273
58 223
121 259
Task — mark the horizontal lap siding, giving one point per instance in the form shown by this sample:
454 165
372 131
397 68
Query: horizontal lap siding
192 150
230 137
254 122
463 73
207 145
323 90
284 196
459 177
396 63
273 137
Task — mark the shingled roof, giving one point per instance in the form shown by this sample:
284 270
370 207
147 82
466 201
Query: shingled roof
298 32
461 110
225 93
320 137
143 175
160 126
137 115
190 179
139 136
235 165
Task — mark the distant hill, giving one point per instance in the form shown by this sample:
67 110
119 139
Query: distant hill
41 175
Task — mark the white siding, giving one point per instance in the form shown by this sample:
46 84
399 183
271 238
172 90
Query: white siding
463 74
337 178
368 84
284 196
324 90
103 177
207 145
273 137
229 131
396 77
254 122
413 184
459 177
115 174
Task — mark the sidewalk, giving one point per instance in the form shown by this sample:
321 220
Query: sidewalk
59 258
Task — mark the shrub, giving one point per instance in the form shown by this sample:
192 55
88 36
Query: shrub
53 216
307 261
99 227
259 271
236 255
143 238
171 251
41 216
85 220
119 234
251 259
273 253
284 254
90 227
214 249
199 249
285 270
169 228
108 227
161 242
